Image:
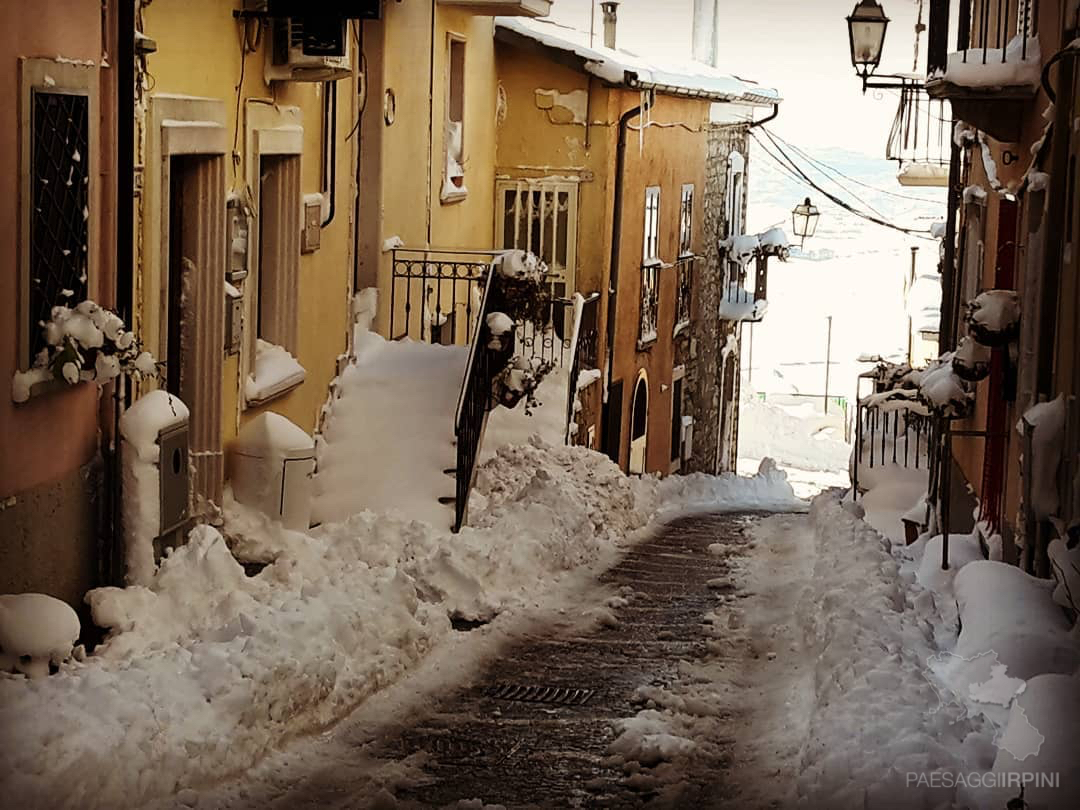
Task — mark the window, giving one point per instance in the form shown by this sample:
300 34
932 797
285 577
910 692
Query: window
58 246
650 301
276 369
683 292
734 197
652 225
686 221
541 216
454 180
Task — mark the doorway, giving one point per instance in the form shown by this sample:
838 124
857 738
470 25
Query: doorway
639 424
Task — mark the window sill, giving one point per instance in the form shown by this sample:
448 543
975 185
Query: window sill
448 197
645 344
681 327
41 388
276 373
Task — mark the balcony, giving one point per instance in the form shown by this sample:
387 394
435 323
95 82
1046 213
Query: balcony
650 304
991 81
503 8
920 139
741 303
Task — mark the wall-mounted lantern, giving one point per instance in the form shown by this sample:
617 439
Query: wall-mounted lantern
804 220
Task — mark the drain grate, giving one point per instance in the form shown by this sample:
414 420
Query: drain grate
562 695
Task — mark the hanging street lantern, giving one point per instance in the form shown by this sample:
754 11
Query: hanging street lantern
866 33
804 219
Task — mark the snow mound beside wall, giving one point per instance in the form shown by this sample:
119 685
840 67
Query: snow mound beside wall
206 669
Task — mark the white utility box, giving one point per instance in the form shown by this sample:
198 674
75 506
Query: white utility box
272 463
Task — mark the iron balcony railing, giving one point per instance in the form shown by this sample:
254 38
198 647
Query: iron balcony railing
435 295
650 303
921 132
889 432
684 269
737 295
1001 31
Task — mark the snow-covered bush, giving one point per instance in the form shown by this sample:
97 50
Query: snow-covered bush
971 361
36 631
85 342
522 289
993 317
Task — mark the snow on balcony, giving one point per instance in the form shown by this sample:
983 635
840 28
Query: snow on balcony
1017 65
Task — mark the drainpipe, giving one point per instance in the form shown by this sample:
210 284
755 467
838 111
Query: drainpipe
616 234
110 565
775 112
329 149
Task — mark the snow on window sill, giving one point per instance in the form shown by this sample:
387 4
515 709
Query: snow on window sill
276 373
646 342
451 194
29 385
681 326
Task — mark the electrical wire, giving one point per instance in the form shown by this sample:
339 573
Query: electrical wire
792 168
825 167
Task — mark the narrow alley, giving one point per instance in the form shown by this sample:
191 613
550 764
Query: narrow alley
693 622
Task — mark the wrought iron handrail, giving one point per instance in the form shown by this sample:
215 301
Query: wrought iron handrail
875 431
473 405
584 354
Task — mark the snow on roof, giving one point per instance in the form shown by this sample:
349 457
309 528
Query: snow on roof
623 68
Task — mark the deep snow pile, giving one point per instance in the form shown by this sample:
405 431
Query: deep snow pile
875 717
206 669
394 402
803 437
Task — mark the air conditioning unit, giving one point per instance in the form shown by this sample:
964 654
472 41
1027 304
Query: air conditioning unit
312 49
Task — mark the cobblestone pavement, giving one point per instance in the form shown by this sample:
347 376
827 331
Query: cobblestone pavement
534 729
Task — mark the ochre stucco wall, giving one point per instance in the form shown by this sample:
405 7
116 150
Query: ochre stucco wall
199 55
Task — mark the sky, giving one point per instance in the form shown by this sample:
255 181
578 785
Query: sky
799 47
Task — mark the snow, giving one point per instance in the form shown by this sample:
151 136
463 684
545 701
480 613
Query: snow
520 265
623 68
740 305
923 174
974 193
1065 563
276 371
1011 68
389 432
1037 181
392 243
36 626
1047 420
271 461
140 426
206 669
994 312
499 323
971 359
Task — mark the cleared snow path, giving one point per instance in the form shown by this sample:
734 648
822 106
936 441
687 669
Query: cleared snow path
677 679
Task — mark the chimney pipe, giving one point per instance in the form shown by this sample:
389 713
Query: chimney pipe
611 18
706 31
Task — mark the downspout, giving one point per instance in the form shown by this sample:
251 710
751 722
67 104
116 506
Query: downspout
111 565
613 269
359 135
329 148
431 124
775 112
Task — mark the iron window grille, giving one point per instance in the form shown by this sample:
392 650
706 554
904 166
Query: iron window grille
686 220
684 269
59 215
652 224
650 302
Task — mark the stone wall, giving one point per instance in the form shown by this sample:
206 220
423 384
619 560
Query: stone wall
707 396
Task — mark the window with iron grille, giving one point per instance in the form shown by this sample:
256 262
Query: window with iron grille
686 220
541 216
652 224
59 238
684 269
650 302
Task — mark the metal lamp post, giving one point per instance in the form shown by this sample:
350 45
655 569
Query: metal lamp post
804 220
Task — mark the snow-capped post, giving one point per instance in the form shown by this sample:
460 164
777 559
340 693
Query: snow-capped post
37 633
144 428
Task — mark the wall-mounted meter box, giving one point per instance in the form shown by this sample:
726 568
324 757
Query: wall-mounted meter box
234 319
239 236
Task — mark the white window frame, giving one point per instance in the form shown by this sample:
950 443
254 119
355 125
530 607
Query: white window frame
53 76
271 131
449 192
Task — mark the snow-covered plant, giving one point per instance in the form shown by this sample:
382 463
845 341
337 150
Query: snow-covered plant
522 288
993 317
500 328
519 380
942 389
971 360
83 343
